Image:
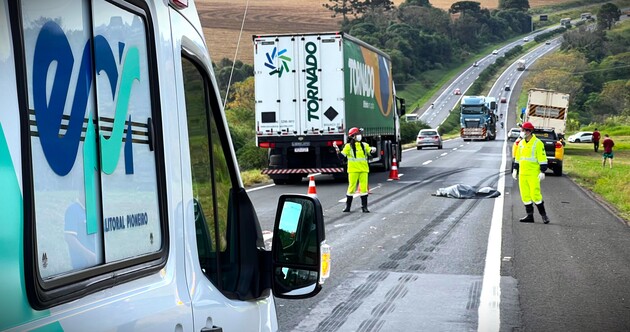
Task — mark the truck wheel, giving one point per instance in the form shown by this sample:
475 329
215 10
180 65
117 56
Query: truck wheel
294 179
340 177
388 155
419 148
558 170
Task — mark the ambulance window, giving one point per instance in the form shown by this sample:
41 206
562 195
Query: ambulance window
129 193
96 193
211 178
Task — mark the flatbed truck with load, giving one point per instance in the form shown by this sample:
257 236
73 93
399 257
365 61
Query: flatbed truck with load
309 90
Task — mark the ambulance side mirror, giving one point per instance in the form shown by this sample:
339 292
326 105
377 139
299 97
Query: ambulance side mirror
298 269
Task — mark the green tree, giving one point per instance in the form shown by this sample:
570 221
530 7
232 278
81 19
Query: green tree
343 7
588 42
420 3
465 7
608 14
522 5
372 6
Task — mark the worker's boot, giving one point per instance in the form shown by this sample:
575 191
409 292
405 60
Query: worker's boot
543 213
529 208
348 203
364 204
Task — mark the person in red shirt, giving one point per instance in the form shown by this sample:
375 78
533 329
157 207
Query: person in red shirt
596 137
608 152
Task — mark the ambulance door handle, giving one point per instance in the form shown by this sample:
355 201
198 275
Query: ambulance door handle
212 329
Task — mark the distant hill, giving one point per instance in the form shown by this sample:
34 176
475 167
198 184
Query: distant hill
221 21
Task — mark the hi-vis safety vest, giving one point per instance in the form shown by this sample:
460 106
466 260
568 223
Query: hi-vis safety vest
358 163
530 155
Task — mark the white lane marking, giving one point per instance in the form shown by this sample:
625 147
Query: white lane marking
454 149
490 299
443 154
258 188
356 194
427 162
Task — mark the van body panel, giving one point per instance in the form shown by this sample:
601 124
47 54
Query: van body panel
100 185
208 304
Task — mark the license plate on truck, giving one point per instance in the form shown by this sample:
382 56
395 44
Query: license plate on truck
300 150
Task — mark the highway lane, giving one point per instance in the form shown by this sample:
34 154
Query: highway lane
435 115
416 263
417 258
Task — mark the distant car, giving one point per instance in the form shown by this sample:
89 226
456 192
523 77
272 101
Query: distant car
428 137
503 100
457 91
526 39
548 42
581 137
507 88
513 134
475 64
495 52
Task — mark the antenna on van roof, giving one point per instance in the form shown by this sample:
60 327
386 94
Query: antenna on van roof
238 43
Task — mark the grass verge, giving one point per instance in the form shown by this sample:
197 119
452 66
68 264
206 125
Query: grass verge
584 166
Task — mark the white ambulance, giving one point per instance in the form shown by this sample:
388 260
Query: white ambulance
121 201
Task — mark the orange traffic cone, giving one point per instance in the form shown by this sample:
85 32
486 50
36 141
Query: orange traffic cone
312 191
393 174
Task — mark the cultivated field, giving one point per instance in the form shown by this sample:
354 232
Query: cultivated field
221 21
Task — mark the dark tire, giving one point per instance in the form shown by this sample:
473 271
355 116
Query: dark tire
419 148
577 141
340 177
440 147
294 179
558 170
388 155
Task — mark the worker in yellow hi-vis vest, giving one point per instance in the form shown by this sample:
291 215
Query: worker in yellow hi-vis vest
530 164
357 153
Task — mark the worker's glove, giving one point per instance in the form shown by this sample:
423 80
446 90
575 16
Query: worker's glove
541 176
514 174
372 150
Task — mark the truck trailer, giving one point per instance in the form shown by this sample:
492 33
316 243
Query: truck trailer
309 90
547 109
478 119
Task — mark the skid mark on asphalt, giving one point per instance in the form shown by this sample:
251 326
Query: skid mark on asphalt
397 301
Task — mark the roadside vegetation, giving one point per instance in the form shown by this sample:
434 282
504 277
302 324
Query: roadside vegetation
429 46
584 166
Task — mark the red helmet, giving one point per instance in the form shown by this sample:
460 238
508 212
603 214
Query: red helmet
353 131
528 126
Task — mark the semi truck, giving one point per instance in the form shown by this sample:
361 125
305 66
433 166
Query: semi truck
520 65
122 202
478 118
547 109
310 89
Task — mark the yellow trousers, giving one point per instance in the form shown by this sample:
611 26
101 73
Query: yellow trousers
362 179
529 186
